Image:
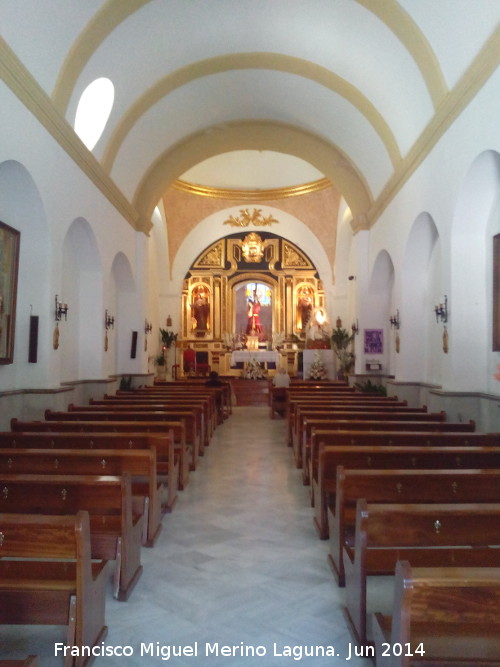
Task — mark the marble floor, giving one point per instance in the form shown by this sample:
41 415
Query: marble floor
238 564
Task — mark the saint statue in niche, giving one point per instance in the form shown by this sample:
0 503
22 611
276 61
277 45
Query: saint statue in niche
254 325
305 301
200 308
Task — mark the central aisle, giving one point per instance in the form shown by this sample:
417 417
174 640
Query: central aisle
238 562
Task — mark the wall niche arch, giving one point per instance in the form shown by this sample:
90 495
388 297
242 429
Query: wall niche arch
218 291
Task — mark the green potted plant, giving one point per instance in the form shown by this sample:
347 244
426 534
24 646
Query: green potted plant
161 362
168 337
341 340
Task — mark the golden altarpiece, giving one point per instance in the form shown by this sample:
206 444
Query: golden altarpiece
246 291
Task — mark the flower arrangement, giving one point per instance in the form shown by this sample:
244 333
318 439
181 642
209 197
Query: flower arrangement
278 339
254 371
318 371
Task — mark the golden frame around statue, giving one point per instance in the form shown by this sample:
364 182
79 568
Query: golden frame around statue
211 316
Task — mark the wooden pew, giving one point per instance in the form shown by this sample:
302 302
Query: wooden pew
278 397
35 589
221 392
358 413
30 661
324 401
427 535
193 438
157 404
171 457
334 432
105 435
450 613
115 520
400 486
389 458
203 404
140 464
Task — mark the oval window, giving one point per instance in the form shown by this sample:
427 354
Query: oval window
93 111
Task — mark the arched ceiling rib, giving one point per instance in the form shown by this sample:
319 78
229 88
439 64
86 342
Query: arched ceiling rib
271 61
252 135
361 89
104 22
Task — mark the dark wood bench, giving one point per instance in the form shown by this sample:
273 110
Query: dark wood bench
387 458
203 407
140 464
222 392
220 396
47 577
400 486
105 435
323 401
427 535
356 413
116 520
278 398
450 613
146 419
333 432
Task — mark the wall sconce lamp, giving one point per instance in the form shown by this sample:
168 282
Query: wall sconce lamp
148 327
61 309
109 321
441 311
355 327
394 320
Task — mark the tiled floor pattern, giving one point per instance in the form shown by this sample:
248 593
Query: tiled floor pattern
238 564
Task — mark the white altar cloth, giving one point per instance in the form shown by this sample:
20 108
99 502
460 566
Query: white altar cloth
262 356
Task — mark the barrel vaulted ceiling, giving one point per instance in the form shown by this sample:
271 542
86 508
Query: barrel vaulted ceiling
359 89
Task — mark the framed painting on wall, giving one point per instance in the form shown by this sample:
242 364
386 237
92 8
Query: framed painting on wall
9 264
374 341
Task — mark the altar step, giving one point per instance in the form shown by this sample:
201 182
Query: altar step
250 392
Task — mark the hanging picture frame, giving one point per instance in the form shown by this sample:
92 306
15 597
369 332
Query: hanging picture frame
374 341
9 266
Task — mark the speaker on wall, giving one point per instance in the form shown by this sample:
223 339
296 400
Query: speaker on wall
133 349
33 341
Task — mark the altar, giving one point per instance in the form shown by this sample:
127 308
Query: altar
261 356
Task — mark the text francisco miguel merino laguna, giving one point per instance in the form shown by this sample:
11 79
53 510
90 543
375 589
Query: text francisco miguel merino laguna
241 650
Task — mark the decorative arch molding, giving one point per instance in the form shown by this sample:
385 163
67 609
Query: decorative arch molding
21 207
226 287
115 12
82 283
211 229
472 307
419 285
96 31
122 273
240 61
253 135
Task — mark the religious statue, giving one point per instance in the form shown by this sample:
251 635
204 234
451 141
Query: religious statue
253 315
318 327
200 309
304 307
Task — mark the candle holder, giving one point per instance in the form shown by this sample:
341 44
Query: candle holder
441 311
60 310
109 321
394 320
